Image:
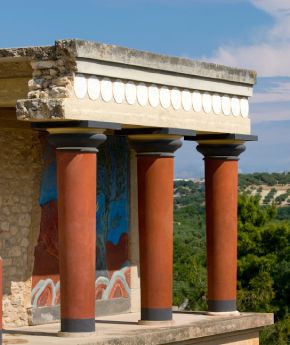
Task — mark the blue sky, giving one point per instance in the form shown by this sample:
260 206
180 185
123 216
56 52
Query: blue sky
252 34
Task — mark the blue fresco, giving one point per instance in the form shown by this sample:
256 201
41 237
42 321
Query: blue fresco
112 192
48 186
118 220
112 196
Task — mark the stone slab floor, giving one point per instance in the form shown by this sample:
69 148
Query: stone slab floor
124 330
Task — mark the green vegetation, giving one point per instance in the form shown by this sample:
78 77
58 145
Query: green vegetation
264 266
246 180
189 287
283 213
282 197
263 256
270 196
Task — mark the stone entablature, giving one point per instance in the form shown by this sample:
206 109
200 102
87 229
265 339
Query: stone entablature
130 92
77 80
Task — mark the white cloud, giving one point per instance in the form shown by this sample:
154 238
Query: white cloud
280 10
267 59
269 54
270 115
276 8
278 92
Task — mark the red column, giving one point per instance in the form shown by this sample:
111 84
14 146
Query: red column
221 192
221 223
76 185
155 202
155 210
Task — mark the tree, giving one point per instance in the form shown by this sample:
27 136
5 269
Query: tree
263 261
264 266
189 286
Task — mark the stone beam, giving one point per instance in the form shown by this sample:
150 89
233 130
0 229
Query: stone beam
82 80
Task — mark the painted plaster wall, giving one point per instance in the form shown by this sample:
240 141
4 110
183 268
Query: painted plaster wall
20 170
112 266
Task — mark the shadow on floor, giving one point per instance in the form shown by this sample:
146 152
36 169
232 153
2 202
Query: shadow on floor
117 322
23 332
189 312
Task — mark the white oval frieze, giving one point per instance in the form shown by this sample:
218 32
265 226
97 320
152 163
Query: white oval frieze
106 89
226 105
153 95
216 104
94 87
244 107
206 102
119 91
196 101
186 100
165 97
176 98
142 94
80 86
131 92
235 105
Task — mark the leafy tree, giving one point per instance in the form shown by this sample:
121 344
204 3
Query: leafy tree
189 248
282 197
263 256
264 266
283 213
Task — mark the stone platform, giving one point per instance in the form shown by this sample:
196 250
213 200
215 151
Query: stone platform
188 328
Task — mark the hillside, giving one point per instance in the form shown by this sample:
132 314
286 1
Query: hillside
270 188
279 194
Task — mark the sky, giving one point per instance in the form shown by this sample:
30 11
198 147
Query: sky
252 34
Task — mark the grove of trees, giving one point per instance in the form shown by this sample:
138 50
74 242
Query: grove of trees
260 178
263 259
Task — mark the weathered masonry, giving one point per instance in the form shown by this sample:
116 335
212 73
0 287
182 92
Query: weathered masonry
88 133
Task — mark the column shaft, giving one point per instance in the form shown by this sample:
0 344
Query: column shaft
76 175
221 177
155 201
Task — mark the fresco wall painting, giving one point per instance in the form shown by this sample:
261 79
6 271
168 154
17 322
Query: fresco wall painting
112 266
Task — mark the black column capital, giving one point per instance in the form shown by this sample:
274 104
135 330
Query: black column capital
156 147
221 151
83 142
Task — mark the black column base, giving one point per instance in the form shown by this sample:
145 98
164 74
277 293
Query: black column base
78 325
222 305
156 314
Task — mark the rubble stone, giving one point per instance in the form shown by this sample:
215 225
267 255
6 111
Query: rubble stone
20 169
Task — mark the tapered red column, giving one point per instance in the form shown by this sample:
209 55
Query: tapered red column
221 188
76 186
155 208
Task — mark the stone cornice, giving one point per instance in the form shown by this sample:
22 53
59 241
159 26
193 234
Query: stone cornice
83 80
82 49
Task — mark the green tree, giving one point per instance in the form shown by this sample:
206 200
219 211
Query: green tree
189 249
263 259
264 266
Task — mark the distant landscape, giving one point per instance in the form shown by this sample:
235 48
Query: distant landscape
263 248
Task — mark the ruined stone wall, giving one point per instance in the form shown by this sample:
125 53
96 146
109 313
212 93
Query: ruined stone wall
51 83
20 168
